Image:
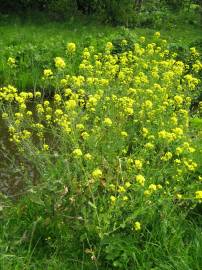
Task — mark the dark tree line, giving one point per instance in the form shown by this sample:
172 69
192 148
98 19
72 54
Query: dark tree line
90 5
109 10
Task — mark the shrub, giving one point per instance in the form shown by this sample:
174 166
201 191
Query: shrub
176 4
125 12
61 9
56 8
114 151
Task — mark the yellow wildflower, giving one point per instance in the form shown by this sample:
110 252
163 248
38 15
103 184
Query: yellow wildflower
71 47
97 173
113 199
77 152
140 179
137 226
11 61
88 156
59 63
138 164
47 73
198 195
108 121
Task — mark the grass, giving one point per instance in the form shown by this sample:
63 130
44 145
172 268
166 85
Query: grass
33 43
35 236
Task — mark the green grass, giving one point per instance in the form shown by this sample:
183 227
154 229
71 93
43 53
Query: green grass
35 43
15 30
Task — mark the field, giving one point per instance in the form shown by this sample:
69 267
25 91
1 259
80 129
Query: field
100 146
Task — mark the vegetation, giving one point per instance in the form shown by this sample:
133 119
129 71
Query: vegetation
101 136
129 12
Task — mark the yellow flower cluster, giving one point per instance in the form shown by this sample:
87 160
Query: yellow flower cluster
97 173
11 62
140 179
199 195
47 72
126 113
71 47
137 226
59 63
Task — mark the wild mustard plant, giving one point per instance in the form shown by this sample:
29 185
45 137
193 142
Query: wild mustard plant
119 128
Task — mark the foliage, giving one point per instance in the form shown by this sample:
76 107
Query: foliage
62 8
118 163
176 4
124 12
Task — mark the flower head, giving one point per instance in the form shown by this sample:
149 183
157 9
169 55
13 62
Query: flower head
71 47
59 63
137 226
77 152
140 179
97 173
47 73
108 121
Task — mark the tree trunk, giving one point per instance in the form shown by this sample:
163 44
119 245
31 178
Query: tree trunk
200 10
138 5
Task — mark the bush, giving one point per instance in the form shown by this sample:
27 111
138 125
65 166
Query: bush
61 9
56 8
176 4
118 12
124 12
115 154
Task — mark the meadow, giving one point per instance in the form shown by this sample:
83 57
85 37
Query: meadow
100 146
